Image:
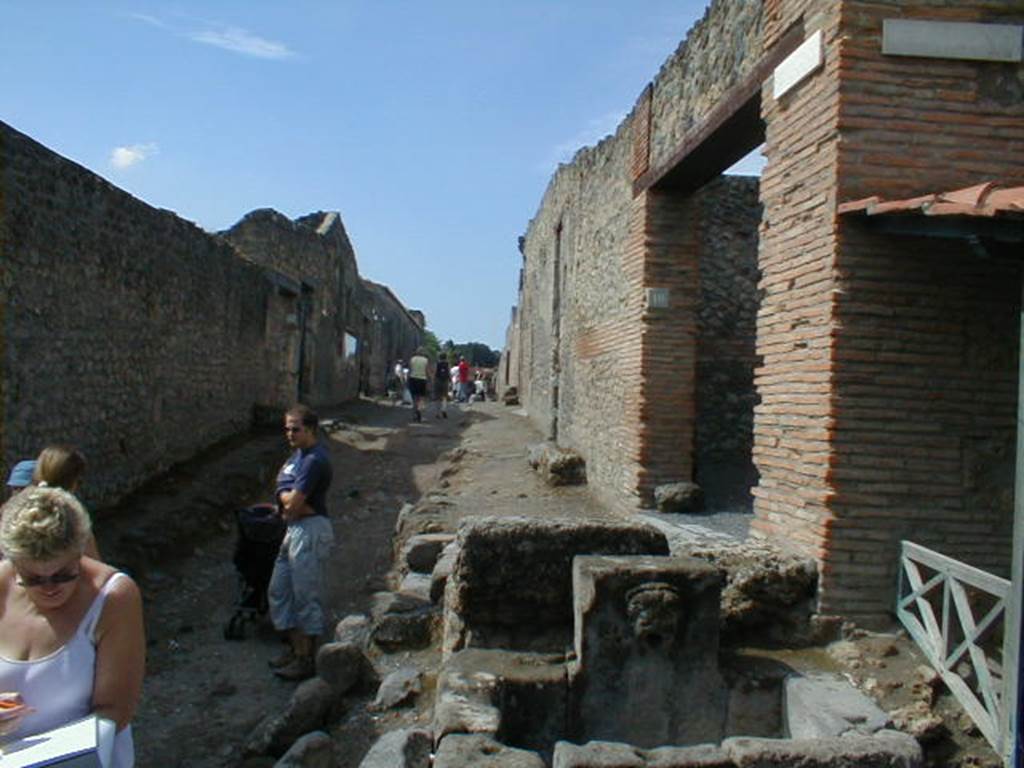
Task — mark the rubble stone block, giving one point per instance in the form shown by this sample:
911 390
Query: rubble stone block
343 666
401 620
405 748
314 750
306 711
511 585
478 751
421 552
398 688
767 591
679 497
354 629
416 584
442 570
607 754
557 466
885 749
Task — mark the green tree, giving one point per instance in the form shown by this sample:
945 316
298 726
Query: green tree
431 344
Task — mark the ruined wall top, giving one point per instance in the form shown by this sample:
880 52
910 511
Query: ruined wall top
717 53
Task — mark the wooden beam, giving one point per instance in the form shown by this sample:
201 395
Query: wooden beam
732 129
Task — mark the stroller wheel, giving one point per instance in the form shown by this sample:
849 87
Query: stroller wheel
235 628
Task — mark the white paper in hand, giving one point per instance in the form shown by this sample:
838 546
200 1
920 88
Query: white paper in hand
71 746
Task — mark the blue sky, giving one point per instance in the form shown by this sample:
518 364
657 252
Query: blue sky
433 127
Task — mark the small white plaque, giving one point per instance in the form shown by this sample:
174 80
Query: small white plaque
953 40
798 65
657 298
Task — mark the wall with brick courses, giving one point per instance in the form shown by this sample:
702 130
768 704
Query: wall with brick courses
508 367
926 385
626 376
796 323
586 219
826 451
864 431
126 330
926 362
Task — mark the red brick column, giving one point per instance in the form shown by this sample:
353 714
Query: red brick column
667 410
796 328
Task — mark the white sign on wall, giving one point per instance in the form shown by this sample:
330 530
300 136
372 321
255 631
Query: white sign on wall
953 40
798 65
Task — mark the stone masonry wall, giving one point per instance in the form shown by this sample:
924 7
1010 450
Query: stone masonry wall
719 51
392 332
599 371
126 330
585 219
726 357
314 250
141 339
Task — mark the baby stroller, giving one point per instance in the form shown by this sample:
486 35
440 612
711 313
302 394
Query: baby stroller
260 531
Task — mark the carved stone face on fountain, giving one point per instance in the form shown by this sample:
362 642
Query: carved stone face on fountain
655 612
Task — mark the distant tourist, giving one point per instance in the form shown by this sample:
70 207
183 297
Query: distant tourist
463 379
397 380
20 476
72 641
62 466
296 592
442 382
418 365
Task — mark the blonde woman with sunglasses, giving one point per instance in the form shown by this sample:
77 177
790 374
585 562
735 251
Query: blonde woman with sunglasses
71 633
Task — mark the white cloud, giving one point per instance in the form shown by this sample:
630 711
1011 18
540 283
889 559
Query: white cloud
595 130
151 20
126 157
238 40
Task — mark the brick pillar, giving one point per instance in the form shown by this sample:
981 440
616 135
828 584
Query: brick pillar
667 411
796 325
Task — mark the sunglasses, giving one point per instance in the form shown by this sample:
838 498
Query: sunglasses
53 580
292 429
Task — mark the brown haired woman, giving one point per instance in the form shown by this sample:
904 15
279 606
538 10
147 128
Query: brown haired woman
62 466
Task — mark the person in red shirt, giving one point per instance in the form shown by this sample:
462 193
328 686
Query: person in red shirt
463 380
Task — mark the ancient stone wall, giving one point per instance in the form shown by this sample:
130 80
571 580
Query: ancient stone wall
726 333
315 251
393 333
508 367
126 330
600 372
719 51
884 366
584 337
141 339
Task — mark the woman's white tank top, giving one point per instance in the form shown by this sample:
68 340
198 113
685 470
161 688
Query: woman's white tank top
60 685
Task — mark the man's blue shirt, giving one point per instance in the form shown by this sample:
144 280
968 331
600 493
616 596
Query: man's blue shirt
308 471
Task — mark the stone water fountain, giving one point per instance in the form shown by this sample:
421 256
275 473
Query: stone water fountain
584 644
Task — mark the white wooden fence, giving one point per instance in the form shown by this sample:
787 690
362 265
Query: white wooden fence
957 615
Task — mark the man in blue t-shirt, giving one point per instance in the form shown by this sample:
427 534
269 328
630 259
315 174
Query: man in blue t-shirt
297 585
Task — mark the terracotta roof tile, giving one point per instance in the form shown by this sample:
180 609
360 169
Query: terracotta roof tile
988 199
